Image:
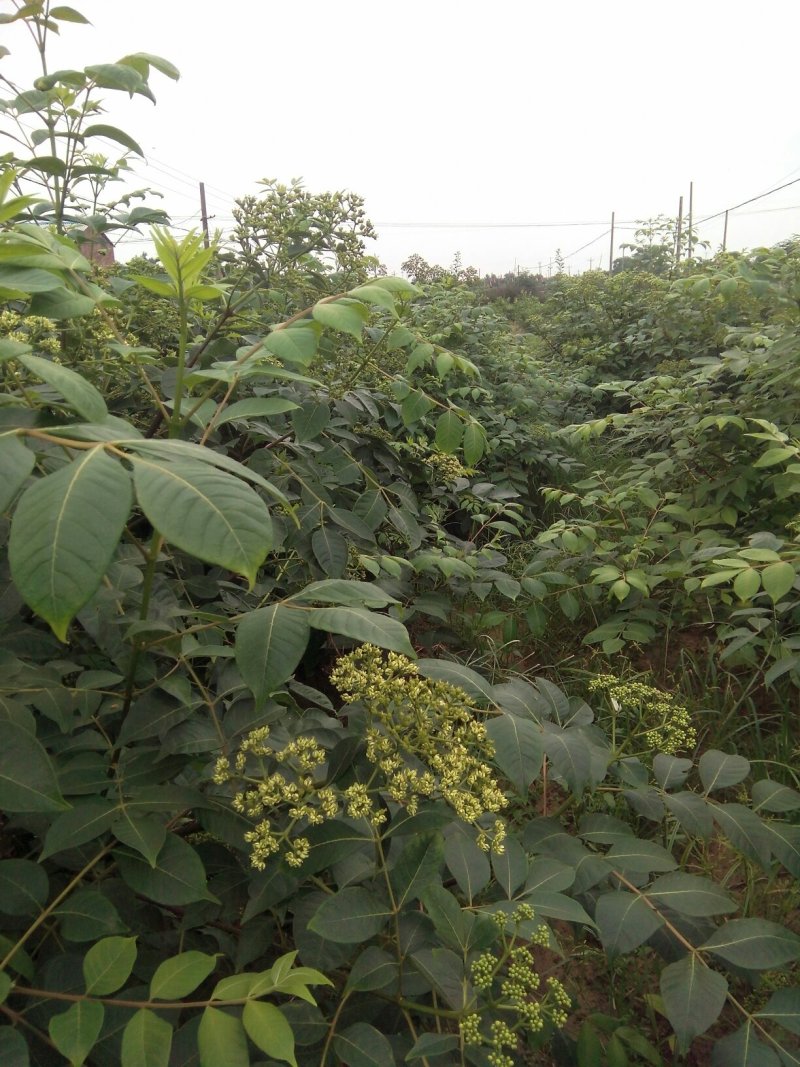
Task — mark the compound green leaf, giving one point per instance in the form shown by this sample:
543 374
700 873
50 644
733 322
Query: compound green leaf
373 969
256 407
146 1040
75 1031
474 443
268 1029
430 1045
467 863
310 420
418 867
180 975
206 512
27 778
113 133
330 551
13 1048
270 642
693 997
363 625
295 344
61 303
64 533
24 886
640 856
449 431
221 1040
108 964
344 591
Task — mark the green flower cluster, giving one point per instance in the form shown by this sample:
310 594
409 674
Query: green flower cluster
664 725
30 330
423 736
510 982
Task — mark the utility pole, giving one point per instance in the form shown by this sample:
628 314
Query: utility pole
725 233
204 214
611 251
678 234
689 235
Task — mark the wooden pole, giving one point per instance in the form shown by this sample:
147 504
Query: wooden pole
725 233
611 250
204 214
689 233
678 233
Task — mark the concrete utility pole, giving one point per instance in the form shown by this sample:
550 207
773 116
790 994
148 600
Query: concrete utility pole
689 235
678 234
725 233
204 214
611 251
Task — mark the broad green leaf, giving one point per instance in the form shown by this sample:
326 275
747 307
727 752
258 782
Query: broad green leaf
518 749
344 315
145 834
689 894
361 1045
27 778
295 344
449 431
146 1040
784 841
718 770
206 512
61 304
778 579
430 1045
88 915
108 964
64 533
745 831
693 997
510 866
67 14
743 1049
373 969
692 811
13 1048
363 625
453 925
474 443
624 921
221 1040
747 583
640 856
467 863
670 771
270 643
177 878
75 1031
419 866
754 944
24 886
112 133
444 970
27 280
310 420
255 407
415 406
344 591
571 757
6 983
375 294
350 916
775 455
178 976
772 796
784 1008
16 463
268 1029
473 684
163 66
371 508
330 551
85 822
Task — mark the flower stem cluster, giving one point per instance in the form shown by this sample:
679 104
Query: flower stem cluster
511 994
648 713
423 737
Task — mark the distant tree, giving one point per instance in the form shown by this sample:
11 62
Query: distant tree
656 249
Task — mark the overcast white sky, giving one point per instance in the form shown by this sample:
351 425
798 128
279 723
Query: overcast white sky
460 121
